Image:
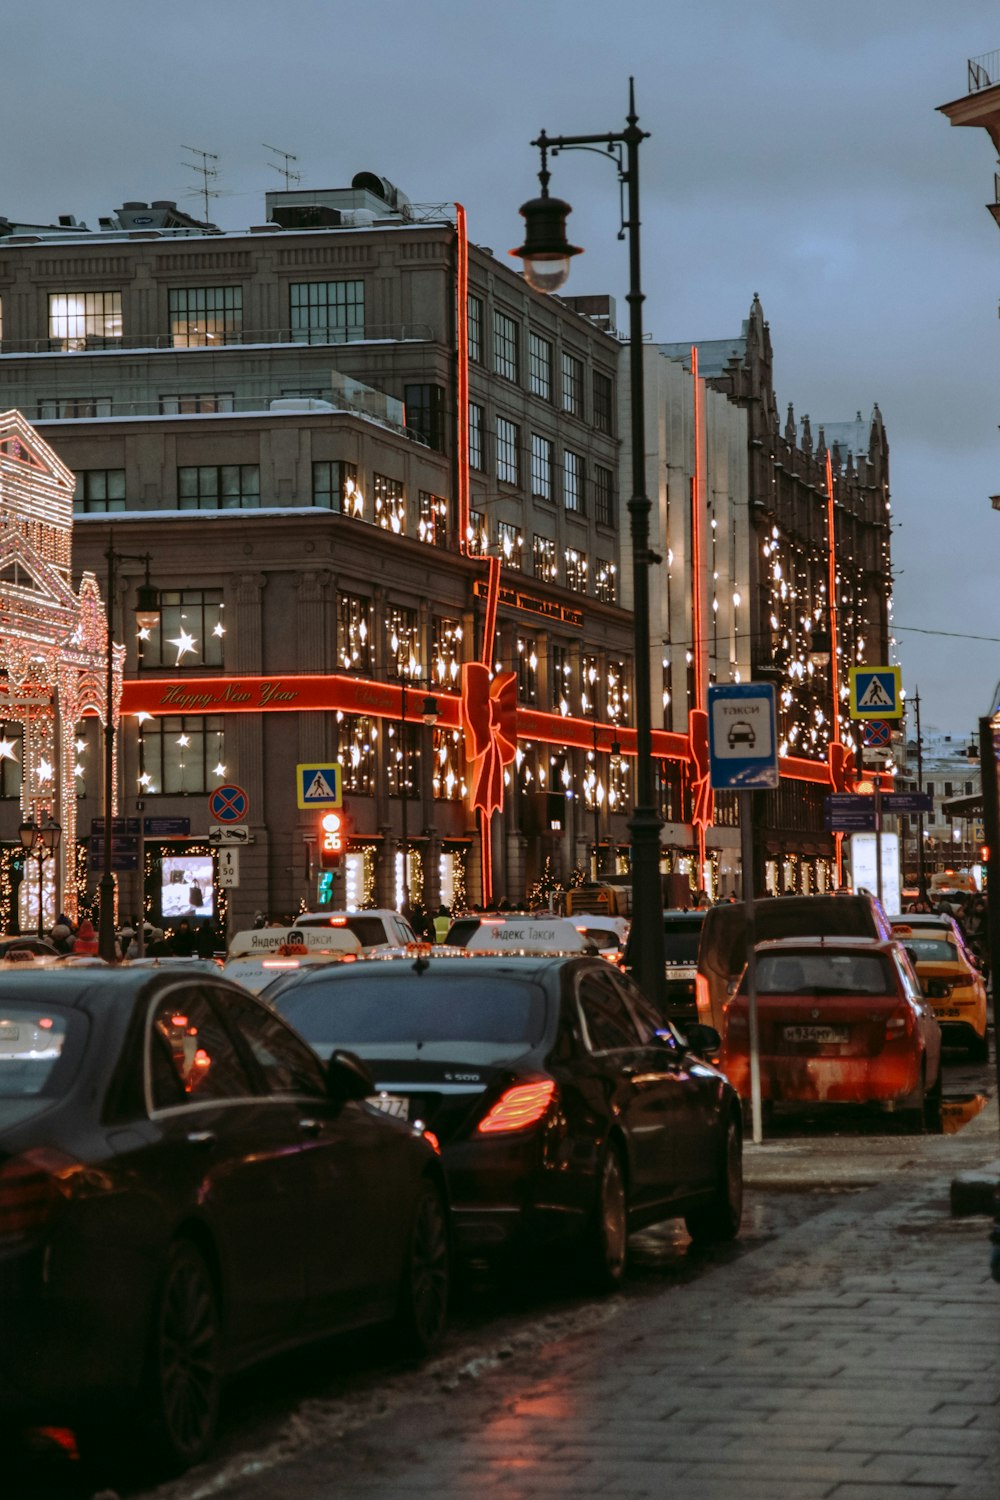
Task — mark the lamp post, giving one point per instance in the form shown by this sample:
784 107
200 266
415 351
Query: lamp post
592 679
429 715
147 616
546 254
40 839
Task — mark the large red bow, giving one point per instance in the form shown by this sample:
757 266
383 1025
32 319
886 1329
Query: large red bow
841 763
489 718
703 810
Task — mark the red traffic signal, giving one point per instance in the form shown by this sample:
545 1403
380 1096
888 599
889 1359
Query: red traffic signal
331 840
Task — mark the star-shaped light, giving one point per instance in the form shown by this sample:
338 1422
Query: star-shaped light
219 629
142 716
183 740
184 642
145 779
8 749
219 769
144 632
44 769
77 770
81 746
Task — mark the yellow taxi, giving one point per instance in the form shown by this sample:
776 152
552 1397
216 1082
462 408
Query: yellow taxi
951 980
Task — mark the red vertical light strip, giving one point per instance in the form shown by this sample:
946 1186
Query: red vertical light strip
697 579
462 327
831 543
489 634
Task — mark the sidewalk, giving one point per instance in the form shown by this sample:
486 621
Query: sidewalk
855 1358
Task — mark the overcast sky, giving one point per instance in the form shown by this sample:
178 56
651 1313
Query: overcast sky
795 152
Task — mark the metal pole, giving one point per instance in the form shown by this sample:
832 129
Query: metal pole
106 932
921 852
878 835
746 857
597 810
140 807
989 752
404 799
41 871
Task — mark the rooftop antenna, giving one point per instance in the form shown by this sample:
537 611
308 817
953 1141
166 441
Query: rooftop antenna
285 166
207 173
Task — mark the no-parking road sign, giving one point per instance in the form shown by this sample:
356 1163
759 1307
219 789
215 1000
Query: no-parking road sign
229 804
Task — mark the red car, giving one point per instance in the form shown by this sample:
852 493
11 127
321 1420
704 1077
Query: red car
841 1021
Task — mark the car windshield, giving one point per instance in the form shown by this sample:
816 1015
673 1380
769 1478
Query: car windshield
823 974
36 1059
385 1011
933 950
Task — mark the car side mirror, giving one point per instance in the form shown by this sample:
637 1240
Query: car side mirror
704 1040
348 1078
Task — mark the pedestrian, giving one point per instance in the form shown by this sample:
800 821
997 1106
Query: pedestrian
126 939
62 936
182 939
86 938
442 922
205 941
157 945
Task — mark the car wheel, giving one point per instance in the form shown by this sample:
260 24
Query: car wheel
720 1218
979 1049
606 1244
182 1398
426 1281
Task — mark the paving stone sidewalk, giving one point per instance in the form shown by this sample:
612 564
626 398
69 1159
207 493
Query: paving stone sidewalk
855 1358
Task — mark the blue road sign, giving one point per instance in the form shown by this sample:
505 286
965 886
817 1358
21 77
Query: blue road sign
876 693
319 785
166 828
229 804
876 733
908 802
742 736
847 812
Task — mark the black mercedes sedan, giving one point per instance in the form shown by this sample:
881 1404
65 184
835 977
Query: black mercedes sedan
567 1111
184 1189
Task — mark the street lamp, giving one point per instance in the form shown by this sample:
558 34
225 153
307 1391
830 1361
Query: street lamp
40 839
546 254
429 715
147 617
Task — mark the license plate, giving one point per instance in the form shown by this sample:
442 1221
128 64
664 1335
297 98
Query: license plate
681 972
816 1033
396 1105
947 1010
8 1032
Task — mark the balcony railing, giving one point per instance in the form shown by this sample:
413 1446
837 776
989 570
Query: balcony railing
983 71
386 333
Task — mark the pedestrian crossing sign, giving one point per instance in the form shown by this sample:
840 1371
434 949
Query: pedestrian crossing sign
876 693
319 786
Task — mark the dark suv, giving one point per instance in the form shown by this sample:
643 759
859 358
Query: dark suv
681 935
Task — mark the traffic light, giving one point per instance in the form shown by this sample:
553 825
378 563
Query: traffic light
331 841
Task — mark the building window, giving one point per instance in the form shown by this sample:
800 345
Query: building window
74 406
446 649
447 776
204 316
183 754
335 487
218 487
560 678
476 329
572 385
508 451
196 405
576 570
506 361
573 481
402 642
543 558
327 312
604 418
541 467
539 366
99 490
356 735
511 544
85 320
390 504
190 632
13 757
604 496
606 582
618 696
354 631
433 524
425 413
477 538
477 424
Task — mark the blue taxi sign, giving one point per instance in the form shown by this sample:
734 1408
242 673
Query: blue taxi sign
742 736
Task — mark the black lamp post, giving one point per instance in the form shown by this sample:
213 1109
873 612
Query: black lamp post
592 680
147 616
429 714
546 254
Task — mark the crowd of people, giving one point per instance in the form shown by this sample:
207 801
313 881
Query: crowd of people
183 940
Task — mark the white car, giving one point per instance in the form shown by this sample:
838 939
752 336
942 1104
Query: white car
262 953
520 934
374 927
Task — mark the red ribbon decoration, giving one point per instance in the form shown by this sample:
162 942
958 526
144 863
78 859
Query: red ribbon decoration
841 763
489 718
701 788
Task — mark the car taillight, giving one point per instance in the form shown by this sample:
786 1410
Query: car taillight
518 1107
702 999
899 1024
32 1186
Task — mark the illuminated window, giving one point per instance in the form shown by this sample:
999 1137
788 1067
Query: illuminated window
446 650
543 558
511 542
508 451
327 312
356 735
194 404
354 631
181 753
425 413
85 320
604 416
74 406
606 582
573 481
604 496
475 306
506 356
99 490
402 642
539 366
477 538
190 633
576 570
618 696
560 676
541 467
390 504
477 423
335 486
447 772
433 524
204 316
527 669
218 487
572 385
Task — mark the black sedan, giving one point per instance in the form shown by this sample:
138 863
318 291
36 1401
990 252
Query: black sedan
185 1189
568 1113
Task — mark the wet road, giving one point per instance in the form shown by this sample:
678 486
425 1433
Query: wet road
287 1406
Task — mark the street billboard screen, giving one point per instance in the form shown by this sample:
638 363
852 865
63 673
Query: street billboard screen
187 888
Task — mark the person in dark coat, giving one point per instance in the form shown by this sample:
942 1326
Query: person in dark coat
182 940
205 941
